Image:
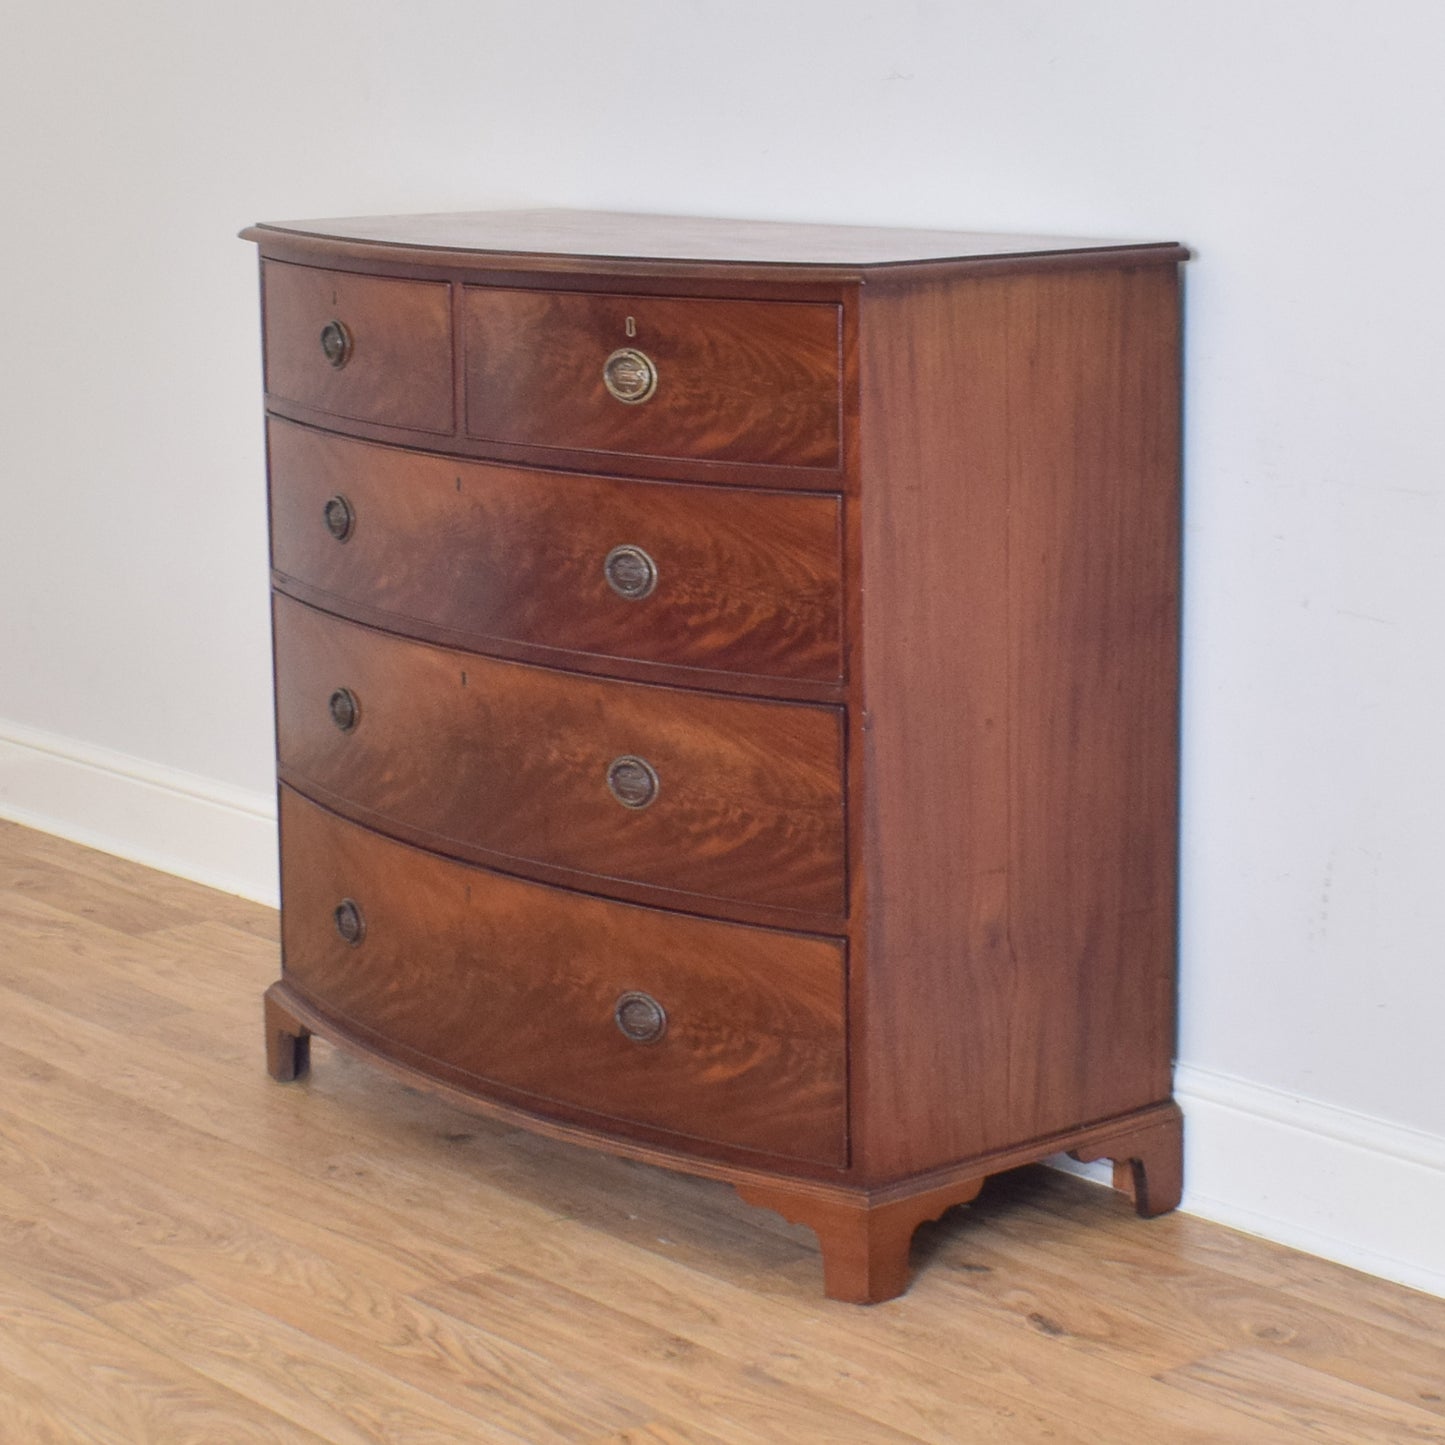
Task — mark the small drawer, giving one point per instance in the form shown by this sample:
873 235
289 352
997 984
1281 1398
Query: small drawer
703 795
737 581
696 379
365 347
711 1030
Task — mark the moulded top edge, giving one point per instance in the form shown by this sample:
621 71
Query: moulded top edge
603 235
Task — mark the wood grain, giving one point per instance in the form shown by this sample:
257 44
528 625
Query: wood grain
1306 1402
1158 1304
632 1306
68 1264
995 839
517 986
400 373
74 871
740 381
690 1382
511 762
754 1325
98 899
1018 804
249 1352
747 581
585 237
84 1379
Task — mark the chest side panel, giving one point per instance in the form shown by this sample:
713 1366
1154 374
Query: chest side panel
1020 661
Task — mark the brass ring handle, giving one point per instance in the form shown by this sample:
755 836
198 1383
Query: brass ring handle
336 343
349 922
632 781
640 1018
344 708
630 572
630 375
339 517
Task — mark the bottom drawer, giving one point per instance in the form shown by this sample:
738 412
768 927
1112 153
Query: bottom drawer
709 1030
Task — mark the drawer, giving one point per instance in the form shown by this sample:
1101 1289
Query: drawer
740 581
522 986
704 795
366 347
709 380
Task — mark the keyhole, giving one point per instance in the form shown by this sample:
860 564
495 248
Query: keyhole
631 327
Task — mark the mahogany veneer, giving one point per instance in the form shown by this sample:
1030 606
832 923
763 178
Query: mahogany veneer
529 976
511 760
402 373
726 694
749 382
500 557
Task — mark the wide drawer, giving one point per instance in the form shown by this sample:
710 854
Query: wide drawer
710 1030
694 576
703 795
690 378
367 347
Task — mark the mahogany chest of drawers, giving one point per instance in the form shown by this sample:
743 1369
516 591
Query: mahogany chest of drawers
726 694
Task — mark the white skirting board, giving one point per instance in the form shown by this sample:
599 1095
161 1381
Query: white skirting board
195 827
1334 1183
1355 1189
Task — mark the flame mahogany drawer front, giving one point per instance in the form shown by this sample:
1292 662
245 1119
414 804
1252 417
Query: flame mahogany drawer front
713 797
738 381
735 1034
359 347
726 686
693 576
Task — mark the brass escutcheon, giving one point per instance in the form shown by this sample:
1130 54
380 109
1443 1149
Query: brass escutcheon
630 572
349 921
336 343
629 375
344 708
632 781
640 1017
339 517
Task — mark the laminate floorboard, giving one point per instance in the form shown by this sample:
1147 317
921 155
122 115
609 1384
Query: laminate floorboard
189 1252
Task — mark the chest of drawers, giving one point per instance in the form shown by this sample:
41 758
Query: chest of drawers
726 694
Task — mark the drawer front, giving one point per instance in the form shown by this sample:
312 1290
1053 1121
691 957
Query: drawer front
736 1035
741 581
723 797
736 381
365 347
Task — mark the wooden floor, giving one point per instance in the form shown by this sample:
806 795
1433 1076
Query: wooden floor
189 1252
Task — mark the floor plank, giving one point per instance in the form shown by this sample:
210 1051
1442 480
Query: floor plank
691 1383
792 1338
189 1252
100 1385
67 858
293 1375
1313 1404
1162 1311
82 1267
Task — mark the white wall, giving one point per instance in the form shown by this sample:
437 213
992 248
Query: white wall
1294 144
